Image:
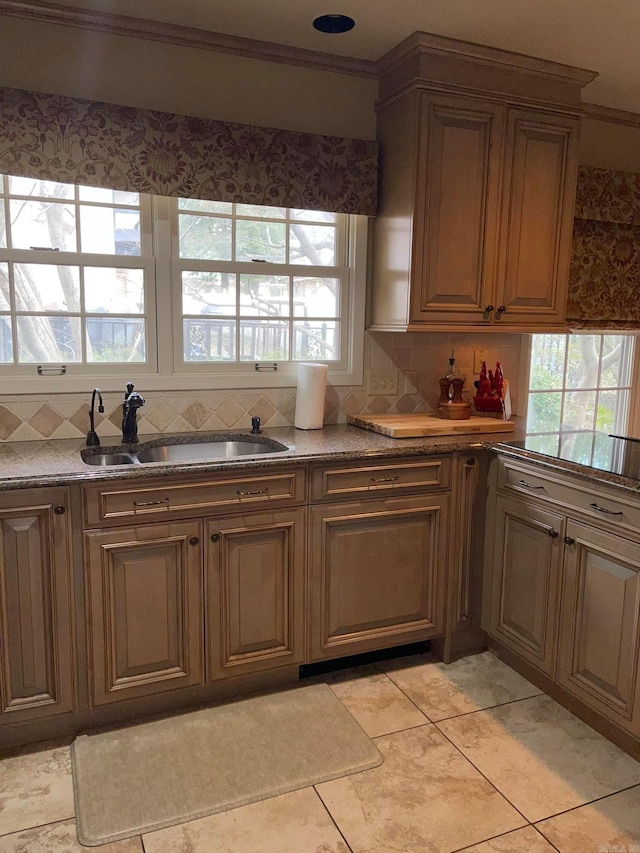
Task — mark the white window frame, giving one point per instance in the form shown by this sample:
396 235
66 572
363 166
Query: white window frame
163 316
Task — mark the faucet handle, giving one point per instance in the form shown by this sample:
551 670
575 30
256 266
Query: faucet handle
255 425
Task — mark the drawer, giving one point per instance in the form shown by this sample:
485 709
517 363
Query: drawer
333 483
574 496
111 503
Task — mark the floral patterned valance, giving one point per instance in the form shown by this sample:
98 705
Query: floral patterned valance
605 195
104 145
604 279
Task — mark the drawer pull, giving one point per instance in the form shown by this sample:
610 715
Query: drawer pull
151 503
569 540
529 485
252 493
606 511
385 479
553 534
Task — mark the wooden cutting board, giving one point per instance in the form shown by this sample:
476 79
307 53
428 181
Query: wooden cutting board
412 426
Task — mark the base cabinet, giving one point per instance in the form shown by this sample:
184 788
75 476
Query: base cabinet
375 578
144 599
599 655
36 633
255 577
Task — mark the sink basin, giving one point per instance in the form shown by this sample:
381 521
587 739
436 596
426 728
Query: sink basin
178 450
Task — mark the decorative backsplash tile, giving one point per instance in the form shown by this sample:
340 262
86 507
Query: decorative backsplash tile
420 360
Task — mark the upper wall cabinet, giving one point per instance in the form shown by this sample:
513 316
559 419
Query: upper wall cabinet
478 176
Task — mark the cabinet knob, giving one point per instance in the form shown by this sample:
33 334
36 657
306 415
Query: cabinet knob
501 310
194 540
488 309
59 509
215 537
470 462
553 533
569 540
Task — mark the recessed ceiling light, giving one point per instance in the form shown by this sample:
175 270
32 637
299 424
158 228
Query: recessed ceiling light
334 23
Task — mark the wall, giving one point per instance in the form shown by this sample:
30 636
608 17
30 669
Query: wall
199 82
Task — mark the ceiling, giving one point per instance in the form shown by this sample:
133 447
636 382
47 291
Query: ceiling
600 35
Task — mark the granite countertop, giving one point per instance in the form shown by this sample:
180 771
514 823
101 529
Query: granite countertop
58 462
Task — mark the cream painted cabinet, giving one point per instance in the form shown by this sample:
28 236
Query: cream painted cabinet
377 574
526 569
599 652
478 153
36 625
255 582
145 603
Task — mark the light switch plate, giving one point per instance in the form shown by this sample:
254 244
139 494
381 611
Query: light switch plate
382 381
479 355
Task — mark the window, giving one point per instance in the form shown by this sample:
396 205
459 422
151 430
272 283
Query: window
91 278
579 385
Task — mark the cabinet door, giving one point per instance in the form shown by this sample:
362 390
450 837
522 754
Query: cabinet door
537 218
456 210
36 641
255 569
524 595
145 610
377 574
600 623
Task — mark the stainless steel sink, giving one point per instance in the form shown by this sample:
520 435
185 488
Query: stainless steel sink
198 449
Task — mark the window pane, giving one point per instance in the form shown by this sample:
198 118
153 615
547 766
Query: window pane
316 297
544 412
312 244
46 287
263 241
611 414
110 230
108 196
544 443
5 293
112 339
315 339
615 367
6 340
209 340
313 216
49 339
262 211
113 291
205 206
3 230
49 225
547 362
583 359
208 293
264 340
579 410
36 187
264 295
205 237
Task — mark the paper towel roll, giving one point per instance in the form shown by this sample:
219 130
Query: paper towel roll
312 384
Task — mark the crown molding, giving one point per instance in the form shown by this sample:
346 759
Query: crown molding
123 25
611 114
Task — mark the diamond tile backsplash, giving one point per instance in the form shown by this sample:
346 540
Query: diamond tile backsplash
420 360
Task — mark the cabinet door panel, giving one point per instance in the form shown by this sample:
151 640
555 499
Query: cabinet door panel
460 146
600 631
255 579
377 572
537 217
35 585
145 602
528 547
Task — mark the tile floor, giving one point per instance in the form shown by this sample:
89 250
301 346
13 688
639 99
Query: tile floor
476 759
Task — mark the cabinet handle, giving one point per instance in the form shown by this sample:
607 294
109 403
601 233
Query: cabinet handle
151 503
194 540
606 511
215 537
529 485
385 479
569 540
255 492
553 534
59 509
501 309
488 309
